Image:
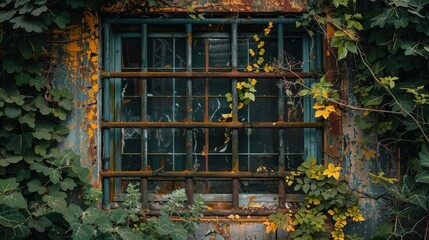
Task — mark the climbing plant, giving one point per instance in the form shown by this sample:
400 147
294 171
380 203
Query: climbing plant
328 206
384 47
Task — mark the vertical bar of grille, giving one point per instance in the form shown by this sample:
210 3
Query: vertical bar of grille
189 147
281 116
117 110
310 142
106 112
235 168
206 116
144 181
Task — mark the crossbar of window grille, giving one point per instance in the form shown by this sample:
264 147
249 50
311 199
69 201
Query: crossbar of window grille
211 124
192 174
190 74
180 21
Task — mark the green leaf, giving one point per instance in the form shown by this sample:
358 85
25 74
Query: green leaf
306 188
4 162
36 186
7 15
91 215
62 19
56 201
60 113
39 82
42 106
250 96
28 25
7 185
419 200
10 217
11 66
179 232
351 47
166 226
424 156
342 52
422 177
118 215
27 119
54 176
26 8
67 184
43 133
12 112
27 52
83 232
9 125
372 100
67 104
36 12
22 78
127 233
73 214
14 200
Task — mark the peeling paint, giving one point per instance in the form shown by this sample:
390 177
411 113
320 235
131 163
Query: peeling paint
76 53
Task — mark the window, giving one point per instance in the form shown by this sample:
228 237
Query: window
164 86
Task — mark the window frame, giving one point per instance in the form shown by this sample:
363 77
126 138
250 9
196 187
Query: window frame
111 124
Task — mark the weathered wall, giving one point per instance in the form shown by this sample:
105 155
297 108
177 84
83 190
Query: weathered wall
76 53
76 67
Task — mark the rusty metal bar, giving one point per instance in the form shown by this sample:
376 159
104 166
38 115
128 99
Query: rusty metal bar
234 137
189 74
211 125
144 106
281 116
106 115
240 212
192 174
206 115
203 21
189 109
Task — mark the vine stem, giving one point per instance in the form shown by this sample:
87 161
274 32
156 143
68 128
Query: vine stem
361 55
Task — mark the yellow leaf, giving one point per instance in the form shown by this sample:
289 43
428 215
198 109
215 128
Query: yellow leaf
209 208
332 171
331 212
317 105
369 154
324 93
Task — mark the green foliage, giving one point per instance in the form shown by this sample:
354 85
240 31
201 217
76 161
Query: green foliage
37 178
127 223
390 42
327 207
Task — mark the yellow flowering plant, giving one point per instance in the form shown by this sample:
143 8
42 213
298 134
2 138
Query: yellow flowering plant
246 89
328 206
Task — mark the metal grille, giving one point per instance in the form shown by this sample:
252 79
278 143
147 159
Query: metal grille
163 93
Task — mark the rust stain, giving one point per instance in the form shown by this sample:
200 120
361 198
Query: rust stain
289 6
79 72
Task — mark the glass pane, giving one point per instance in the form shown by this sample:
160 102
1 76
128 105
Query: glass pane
246 43
131 162
131 52
256 187
164 187
213 186
167 162
293 52
131 140
220 163
160 54
219 53
218 50
259 163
